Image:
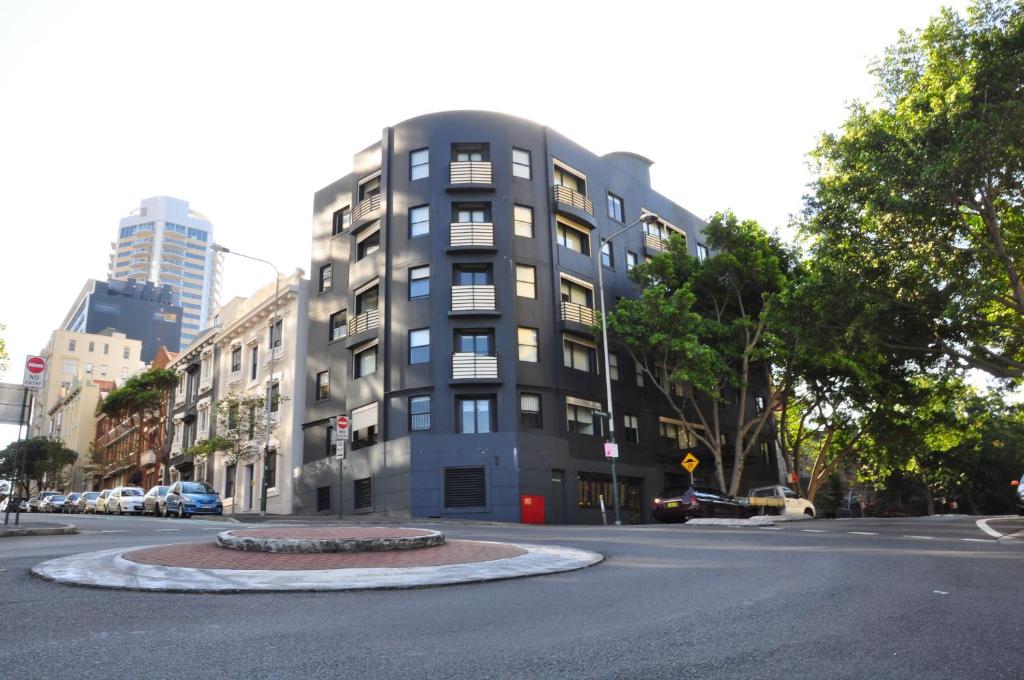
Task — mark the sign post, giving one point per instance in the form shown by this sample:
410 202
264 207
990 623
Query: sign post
341 429
690 463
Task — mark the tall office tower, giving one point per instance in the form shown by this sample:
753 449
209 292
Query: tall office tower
165 242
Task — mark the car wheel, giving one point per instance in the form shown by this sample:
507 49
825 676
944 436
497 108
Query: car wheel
809 512
164 512
181 511
120 509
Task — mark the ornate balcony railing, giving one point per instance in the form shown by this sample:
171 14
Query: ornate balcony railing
472 366
469 234
470 172
577 200
472 298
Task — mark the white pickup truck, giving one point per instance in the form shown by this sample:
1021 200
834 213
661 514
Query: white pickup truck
778 500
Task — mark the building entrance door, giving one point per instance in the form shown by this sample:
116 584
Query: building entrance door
247 501
557 497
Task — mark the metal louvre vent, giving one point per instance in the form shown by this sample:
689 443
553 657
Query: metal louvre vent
363 493
323 498
465 487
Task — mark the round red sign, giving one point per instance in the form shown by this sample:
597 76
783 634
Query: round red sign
342 422
36 365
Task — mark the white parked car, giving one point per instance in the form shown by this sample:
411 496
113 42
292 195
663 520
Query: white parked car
779 500
126 499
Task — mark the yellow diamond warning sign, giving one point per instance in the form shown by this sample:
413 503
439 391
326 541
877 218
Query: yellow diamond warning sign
690 462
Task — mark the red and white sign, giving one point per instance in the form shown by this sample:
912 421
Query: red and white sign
611 450
35 371
341 427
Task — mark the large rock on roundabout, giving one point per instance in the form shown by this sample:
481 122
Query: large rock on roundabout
312 559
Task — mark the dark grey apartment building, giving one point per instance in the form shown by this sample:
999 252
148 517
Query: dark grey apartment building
140 310
454 275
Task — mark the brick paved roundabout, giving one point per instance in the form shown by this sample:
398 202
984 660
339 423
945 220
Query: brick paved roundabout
312 559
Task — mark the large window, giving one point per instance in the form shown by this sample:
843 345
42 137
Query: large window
528 341
365 362
419 282
567 178
470 152
342 221
576 293
367 300
529 411
579 355
473 275
615 209
236 359
471 212
521 163
323 386
522 216
580 416
474 342
275 397
364 426
573 238
607 256
419 221
339 325
702 252
631 429
631 260
613 365
475 415
419 413
326 282
369 188
419 164
368 244
254 361
419 346
275 333
526 281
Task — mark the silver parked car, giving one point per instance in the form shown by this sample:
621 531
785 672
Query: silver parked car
153 501
71 503
101 502
125 499
87 502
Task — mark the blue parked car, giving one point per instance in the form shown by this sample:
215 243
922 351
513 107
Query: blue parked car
185 499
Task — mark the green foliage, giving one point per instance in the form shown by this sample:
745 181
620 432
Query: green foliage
3 351
241 426
140 395
37 458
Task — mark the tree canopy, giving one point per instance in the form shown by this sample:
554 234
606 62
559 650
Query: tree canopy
37 458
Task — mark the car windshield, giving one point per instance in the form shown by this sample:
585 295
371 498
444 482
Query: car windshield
92 495
131 492
197 487
56 499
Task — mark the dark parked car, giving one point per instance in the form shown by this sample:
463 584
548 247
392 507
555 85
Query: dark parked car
679 504
71 503
54 503
153 502
185 499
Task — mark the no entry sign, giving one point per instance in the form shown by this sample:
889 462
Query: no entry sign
341 427
35 371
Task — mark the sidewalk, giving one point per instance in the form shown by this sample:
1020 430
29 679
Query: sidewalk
31 527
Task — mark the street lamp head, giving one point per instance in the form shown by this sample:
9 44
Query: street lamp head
219 248
648 218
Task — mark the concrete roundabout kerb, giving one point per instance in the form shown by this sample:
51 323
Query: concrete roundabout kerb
296 559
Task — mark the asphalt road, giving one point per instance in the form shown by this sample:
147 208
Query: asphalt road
881 598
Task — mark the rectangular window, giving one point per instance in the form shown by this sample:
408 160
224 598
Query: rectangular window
529 411
419 413
92 346
329 448
759 404
367 300
522 216
615 209
364 426
341 221
339 325
575 293
365 362
631 429
526 281
325 282
106 348
419 346
419 164
233 416
275 397
271 470
252 421
480 343
419 282
613 365
229 481
639 374
766 452
468 213
579 356
71 345
369 188
367 245
607 256
276 331
702 252
580 418
473 153
475 415
528 342
323 497
236 359
473 275
419 221
103 370
572 238
630 260
323 386
567 178
521 163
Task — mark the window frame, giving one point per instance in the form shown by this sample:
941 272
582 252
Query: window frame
357 362
414 279
414 165
531 420
491 401
517 222
518 165
412 415
562 229
615 200
322 390
341 220
630 424
325 281
412 348
418 210
331 326
532 271
535 346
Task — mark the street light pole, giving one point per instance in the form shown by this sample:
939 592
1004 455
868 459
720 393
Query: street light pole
270 378
646 217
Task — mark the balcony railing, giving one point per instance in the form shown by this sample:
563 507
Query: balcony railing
472 366
573 311
147 458
366 207
235 376
205 383
471 298
470 172
364 322
574 198
655 243
469 234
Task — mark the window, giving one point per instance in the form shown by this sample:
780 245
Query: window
106 348
70 366
475 415
577 355
368 245
88 368
362 494
323 386
639 374
367 300
521 163
702 252
325 279
567 178
572 238
275 333
369 188
475 153
607 256
419 221
419 346
124 373
580 416
233 416
766 452
92 346
576 294
103 370
474 342
419 282
419 164
529 411
471 212
365 362
252 421
631 429
342 220
630 260
526 281
528 342
364 426
615 209
254 361
613 365
419 413
522 216
323 495
759 404
236 359
275 397
673 435
473 275
229 481
271 463
339 325
71 345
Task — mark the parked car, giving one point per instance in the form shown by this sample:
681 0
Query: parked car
678 504
779 500
26 504
71 503
185 499
33 503
153 501
53 503
87 502
1020 496
101 502
125 499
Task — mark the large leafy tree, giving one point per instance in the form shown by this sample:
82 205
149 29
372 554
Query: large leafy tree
142 399
38 459
921 194
241 428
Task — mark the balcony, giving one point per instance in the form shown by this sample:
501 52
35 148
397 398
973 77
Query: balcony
472 366
577 313
470 175
574 199
655 244
470 300
365 208
471 236
148 458
363 322
205 383
235 376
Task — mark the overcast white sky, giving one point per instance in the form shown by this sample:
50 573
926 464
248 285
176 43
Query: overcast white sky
246 108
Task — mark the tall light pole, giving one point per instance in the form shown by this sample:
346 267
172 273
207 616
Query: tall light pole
645 218
270 381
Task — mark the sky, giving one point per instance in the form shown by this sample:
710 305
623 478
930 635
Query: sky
245 109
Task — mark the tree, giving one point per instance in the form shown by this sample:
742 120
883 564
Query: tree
36 459
698 332
241 428
921 195
3 351
143 398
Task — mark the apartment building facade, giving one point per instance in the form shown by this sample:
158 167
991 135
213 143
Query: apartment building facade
74 418
452 302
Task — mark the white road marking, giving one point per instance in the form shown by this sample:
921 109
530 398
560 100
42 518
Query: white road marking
912 536
771 528
113 531
863 533
155 530
983 525
976 540
940 592
815 531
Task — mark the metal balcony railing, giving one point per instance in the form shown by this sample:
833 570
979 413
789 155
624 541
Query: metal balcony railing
366 207
573 311
470 172
655 243
469 298
577 200
364 322
469 234
472 366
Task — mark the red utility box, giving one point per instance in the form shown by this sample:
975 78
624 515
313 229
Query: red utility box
531 509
